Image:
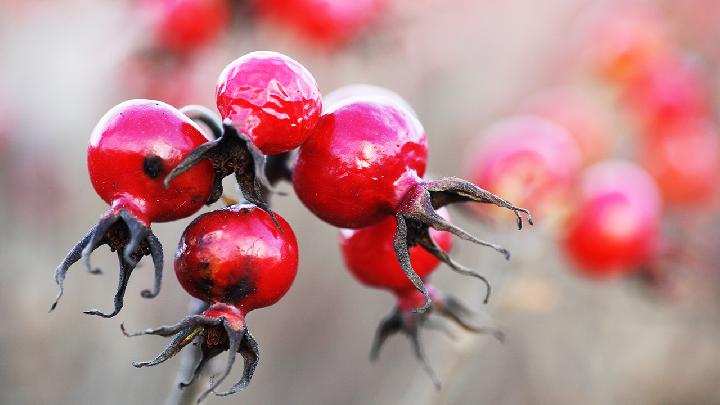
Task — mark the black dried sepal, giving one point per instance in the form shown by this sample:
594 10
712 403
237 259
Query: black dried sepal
214 335
231 153
411 324
127 236
417 214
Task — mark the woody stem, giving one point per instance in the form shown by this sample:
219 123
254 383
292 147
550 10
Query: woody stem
188 359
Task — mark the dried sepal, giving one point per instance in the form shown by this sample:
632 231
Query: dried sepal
231 153
418 213
214 335
411 324
131 239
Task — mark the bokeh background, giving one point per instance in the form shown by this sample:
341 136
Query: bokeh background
633 337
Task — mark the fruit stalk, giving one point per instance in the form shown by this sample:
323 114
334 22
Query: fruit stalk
188 359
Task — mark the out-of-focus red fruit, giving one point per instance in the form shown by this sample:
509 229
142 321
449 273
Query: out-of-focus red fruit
624 38
685 159
323 22
528 160
576 113
185 26
364 160
673 89
365 91
616 225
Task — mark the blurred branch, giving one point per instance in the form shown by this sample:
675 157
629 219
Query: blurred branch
188 359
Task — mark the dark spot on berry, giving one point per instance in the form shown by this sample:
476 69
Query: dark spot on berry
239 290
153 166
205 284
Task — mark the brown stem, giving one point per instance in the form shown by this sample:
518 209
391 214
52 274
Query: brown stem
188 359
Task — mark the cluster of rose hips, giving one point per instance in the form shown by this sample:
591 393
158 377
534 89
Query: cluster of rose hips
359 165
555 158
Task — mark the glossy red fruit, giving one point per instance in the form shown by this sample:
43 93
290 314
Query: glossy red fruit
364 162
237 260
185 26
527 159
684 158
271 98
131 150
616 225
360 162
323 22
575 112
237 256
369 255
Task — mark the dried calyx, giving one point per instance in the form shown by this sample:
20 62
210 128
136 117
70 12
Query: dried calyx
231 152
219 328
417 214
404 320
130 238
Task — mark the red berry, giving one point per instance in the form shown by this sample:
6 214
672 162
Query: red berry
364 163
616 225
684 158
131 150
237 260
271 98
359 163
370 257
269 105
324 22
184 26
237 256
527 159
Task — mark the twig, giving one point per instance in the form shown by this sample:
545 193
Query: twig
188 359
